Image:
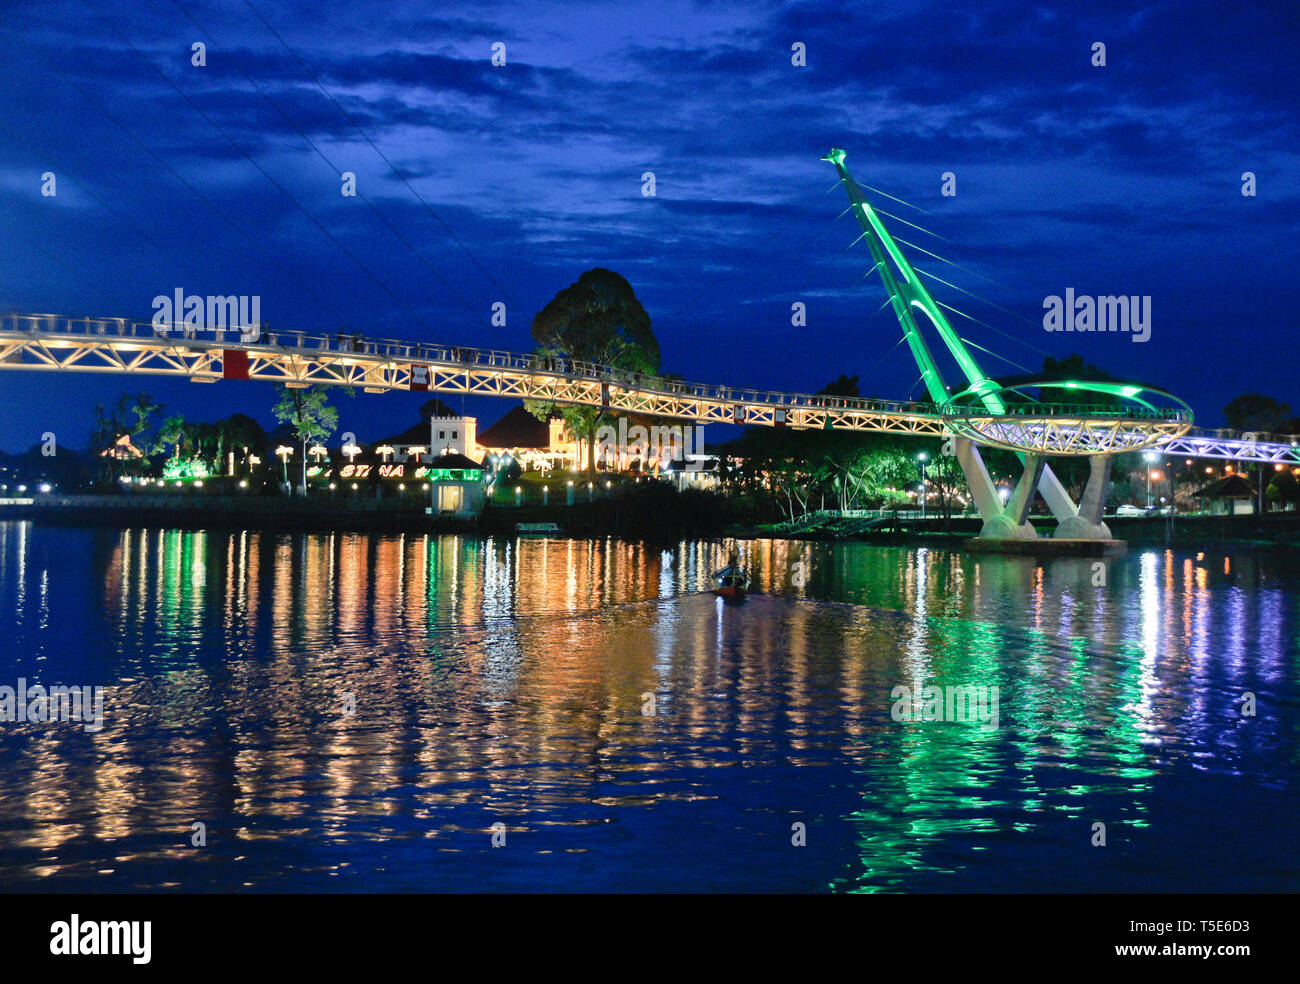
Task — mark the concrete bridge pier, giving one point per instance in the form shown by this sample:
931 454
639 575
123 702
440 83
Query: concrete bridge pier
1009 522
1087 523
1007 528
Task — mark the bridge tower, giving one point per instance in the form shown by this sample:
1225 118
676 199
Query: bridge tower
908 295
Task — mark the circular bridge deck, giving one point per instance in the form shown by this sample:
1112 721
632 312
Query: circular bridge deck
1067 430
1133 418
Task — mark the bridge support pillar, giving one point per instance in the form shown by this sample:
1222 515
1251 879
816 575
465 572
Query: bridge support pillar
1087 523
1000 523
1012 522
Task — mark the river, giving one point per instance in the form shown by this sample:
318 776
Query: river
361 712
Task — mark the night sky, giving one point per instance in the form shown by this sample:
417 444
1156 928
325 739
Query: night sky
1123 179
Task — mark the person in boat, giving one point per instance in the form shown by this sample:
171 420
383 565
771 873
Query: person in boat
731 576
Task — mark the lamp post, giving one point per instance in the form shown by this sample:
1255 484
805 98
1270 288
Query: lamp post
284 451
1149 457
921 459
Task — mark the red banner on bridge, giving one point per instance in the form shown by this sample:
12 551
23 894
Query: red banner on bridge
420 378
234 364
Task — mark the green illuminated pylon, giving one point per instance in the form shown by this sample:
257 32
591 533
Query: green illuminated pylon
907 293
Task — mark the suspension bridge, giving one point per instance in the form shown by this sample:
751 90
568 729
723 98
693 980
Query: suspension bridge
1126 417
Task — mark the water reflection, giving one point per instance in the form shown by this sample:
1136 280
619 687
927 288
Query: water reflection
507 679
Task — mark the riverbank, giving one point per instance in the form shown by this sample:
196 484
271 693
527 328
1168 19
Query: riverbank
219 512
1274 531
648 514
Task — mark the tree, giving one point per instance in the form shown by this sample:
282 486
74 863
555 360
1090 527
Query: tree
242 433
133 417
172 434
1283 489
143 407
103 438
1256 412
844 386
308 412
597 319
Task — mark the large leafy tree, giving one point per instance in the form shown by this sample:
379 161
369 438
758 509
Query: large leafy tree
597 319
308 412
1256 412
242 434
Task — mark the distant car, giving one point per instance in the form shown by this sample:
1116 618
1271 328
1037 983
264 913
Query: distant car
1130 512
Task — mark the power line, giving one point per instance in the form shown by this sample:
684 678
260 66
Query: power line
429 208
78 275
274 105
166 78
198 194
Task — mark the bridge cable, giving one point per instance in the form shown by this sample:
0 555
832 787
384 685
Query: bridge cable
973 273
901 340
971 293
994 329
899 200
897 218
995 355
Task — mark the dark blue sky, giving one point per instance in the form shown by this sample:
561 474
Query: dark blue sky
1117 180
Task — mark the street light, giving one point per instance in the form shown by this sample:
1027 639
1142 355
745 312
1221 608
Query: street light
1149 456
284 451
922 458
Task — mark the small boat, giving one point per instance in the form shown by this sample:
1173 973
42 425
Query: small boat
731 583
537 529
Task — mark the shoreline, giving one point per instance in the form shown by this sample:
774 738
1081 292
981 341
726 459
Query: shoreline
1280 531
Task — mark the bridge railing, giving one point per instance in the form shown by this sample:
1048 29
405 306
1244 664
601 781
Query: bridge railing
352 343
1090 410
348 343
